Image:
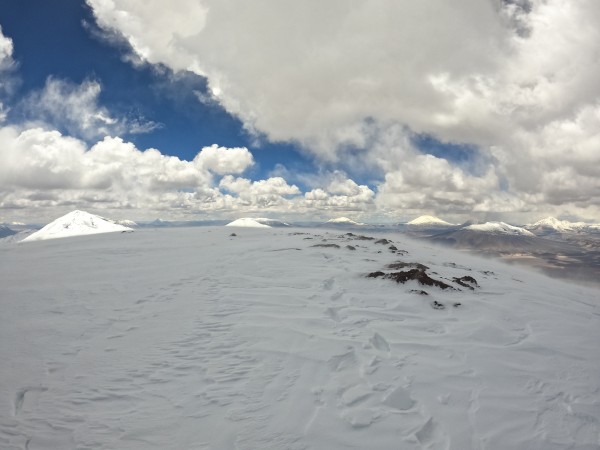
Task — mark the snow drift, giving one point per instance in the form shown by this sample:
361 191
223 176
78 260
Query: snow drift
191 338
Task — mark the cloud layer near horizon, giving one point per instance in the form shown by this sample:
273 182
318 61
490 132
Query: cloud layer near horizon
516 80
44 172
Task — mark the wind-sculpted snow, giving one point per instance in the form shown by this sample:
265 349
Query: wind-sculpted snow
200 338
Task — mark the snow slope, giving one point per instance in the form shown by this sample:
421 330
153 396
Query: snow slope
427 221
499 228
190 338
75 223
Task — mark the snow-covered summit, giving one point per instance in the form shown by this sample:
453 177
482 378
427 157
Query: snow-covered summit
552 224
258 222
76 223
499 228
343 221
423 221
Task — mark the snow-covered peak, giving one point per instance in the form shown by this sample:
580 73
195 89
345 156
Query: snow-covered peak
429 221
499 228
343 221
249 222
559 226
76 223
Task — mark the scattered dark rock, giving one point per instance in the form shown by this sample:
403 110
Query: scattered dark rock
306 238
326 245
393 248
363 238
419 276
383 241
403 265
466 281
418 292
457 304
437 305
350 234
233 234
487 272
350 247
376 274
298 233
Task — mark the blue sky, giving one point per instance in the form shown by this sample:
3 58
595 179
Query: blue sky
378 111
60 39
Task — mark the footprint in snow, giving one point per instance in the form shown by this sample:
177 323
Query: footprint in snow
380 343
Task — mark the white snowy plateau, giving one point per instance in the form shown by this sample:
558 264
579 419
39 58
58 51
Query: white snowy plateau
192 338
76 223
428 221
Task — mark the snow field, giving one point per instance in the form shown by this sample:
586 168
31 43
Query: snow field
192 338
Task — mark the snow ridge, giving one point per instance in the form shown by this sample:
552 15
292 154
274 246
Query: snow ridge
499 228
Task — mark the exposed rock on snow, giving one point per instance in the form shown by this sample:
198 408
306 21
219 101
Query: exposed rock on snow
499 228
76 223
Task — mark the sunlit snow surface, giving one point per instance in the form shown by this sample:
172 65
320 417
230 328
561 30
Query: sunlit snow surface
195 339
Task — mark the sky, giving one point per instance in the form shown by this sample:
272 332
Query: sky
376 110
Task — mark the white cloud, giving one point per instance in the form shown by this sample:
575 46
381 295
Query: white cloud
76 109
271 193
7 65
517 78
6 50
221 160
43 170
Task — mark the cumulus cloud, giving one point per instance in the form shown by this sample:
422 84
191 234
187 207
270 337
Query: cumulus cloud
75 109
517 79
7 65
340 195
6 51
221 160
43 169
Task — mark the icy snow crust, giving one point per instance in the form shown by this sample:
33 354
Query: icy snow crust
500 228
191 338
76 223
